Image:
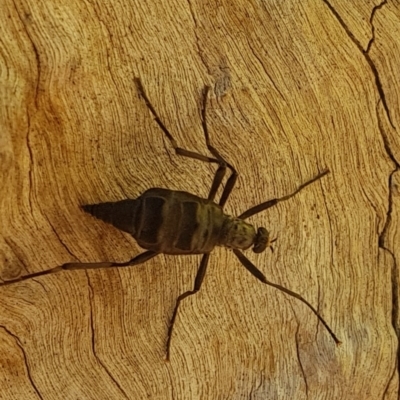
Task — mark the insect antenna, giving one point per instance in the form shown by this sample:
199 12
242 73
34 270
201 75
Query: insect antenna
260 276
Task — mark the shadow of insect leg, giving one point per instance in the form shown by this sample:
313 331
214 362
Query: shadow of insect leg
140 259
197 284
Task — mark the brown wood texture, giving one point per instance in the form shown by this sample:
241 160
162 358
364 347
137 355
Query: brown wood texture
296 87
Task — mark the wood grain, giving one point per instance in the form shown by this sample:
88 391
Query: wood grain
297 87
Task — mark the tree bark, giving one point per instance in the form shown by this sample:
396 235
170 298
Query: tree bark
297 87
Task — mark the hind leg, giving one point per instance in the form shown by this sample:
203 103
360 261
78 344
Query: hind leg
220 173
139 259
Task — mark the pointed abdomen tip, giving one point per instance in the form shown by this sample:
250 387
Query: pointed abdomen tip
87 208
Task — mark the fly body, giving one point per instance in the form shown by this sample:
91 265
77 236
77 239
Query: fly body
174 222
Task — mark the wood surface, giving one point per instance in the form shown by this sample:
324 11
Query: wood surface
296 87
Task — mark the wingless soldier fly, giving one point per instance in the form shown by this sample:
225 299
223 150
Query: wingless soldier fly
175 222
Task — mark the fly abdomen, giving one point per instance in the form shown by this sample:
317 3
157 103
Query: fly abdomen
189 225
121 214
175 222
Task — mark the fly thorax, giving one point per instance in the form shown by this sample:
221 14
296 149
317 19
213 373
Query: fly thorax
237 234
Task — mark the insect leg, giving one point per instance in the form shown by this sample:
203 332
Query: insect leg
191 154
270 203
140 259
178 150
223 163
260 276
197 284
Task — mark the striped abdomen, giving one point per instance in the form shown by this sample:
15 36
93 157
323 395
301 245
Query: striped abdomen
166 221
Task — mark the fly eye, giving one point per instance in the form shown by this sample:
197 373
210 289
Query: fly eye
261 240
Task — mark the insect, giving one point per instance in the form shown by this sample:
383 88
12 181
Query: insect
176 222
